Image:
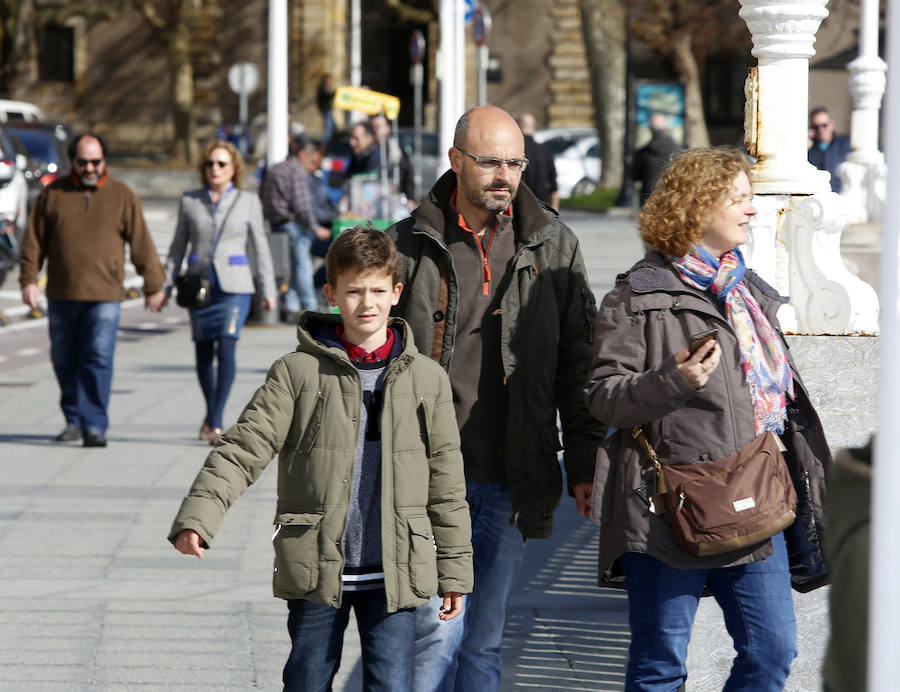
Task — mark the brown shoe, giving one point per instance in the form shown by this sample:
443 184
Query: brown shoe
205 433
214 436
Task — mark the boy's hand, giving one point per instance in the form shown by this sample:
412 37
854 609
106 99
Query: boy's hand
188 543
452 605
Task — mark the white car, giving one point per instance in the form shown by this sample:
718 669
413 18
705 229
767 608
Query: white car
576 158
13 189
19 111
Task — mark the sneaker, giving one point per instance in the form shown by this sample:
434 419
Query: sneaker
94 438
69 434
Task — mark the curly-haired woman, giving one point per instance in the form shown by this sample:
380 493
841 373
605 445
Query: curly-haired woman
694 408
214 223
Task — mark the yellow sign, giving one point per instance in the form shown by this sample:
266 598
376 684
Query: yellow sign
372 102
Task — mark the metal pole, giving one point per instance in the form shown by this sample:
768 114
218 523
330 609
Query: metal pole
356 43
242 112
417 78
277 123
884 550
482 74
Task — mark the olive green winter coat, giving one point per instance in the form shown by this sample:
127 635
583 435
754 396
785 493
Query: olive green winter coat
307 413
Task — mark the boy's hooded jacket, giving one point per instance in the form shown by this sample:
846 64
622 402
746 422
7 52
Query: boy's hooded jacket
307 413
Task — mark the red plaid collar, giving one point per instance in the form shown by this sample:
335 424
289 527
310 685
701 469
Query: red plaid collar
358 354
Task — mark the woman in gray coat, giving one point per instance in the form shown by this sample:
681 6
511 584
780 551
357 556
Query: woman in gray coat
697 407
214 225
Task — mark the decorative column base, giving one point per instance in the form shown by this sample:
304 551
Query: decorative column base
795 246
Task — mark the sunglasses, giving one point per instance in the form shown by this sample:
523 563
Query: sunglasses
820 126
220 164
85 162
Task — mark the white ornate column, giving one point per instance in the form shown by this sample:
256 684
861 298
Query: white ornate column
863 175
795 238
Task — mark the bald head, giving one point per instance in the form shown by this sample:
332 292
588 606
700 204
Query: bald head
659 122
484 122
527 123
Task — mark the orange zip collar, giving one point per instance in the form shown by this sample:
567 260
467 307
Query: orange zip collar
483 249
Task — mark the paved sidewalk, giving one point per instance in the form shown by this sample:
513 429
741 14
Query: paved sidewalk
93 598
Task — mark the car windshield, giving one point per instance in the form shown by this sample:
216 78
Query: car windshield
41 146
559 144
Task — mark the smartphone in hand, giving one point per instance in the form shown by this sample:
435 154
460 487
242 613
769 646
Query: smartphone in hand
697 340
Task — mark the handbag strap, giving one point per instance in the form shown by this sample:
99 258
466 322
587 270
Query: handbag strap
637 432
218 234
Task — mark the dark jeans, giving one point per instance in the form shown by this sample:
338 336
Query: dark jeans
317 637
82 345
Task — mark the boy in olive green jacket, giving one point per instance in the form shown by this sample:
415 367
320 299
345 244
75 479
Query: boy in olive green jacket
371 509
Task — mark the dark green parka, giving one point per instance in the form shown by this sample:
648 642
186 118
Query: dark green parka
547 314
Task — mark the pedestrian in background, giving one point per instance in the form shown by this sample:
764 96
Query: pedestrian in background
540 174
80 224
288 208
324 210
400 170
828 149
214 224
325 101
696 407
371 511
495 290
651 159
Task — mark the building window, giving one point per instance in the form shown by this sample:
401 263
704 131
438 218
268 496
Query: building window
56 53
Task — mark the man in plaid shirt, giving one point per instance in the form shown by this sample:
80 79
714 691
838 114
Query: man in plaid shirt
288 208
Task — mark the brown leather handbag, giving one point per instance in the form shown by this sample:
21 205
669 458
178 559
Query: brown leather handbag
729 503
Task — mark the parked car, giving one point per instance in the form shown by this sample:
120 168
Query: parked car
47 145
575 154
19 111
13 190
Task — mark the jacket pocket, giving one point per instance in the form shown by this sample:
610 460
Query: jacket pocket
296 543
422 557
313 426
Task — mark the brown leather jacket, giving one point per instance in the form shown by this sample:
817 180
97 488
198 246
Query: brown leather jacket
641 324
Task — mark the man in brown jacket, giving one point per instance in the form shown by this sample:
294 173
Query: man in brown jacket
80 225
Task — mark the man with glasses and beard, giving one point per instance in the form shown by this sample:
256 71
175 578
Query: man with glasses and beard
80 225
828 150
496 291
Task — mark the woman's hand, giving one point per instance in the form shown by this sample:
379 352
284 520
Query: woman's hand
698 367
267 304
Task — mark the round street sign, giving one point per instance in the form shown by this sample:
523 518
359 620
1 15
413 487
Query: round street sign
243 76
416 47
481 26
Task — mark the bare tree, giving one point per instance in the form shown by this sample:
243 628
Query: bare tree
683 32
603 26
170 22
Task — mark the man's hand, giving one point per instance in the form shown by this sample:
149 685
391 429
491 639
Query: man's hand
583 492
452 605
323 233
156 301
30 295
188 543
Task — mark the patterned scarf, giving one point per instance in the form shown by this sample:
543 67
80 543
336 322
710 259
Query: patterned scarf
763 358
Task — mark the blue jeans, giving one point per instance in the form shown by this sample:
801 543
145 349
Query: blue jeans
317 636
464 653
759 614
82 345
302 293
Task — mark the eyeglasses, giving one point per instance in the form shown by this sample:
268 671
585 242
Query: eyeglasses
819 126
84 162
492 163
220 164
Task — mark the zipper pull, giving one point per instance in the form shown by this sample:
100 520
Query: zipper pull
680 500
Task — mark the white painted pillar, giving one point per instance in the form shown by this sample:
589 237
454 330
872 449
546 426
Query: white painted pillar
795 239
452 73
356 43
867 85
884 550
783 36
277 121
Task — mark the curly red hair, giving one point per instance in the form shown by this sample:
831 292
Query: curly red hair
674 217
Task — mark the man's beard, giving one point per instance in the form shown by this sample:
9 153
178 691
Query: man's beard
482 197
